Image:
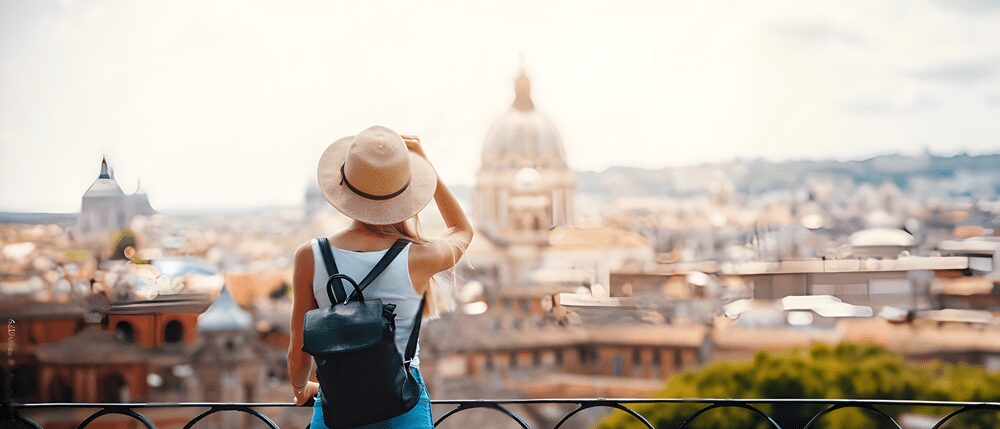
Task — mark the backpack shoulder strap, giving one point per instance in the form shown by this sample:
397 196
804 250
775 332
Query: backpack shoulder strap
382 264
411 343
334 286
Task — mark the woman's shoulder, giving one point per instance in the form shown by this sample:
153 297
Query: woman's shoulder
303 267
418 250
434 256
304 254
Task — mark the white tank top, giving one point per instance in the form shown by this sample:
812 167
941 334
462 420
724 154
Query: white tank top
392 287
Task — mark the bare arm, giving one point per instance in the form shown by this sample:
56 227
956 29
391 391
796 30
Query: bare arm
300 363
439 256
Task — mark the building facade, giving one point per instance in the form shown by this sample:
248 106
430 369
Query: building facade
105 208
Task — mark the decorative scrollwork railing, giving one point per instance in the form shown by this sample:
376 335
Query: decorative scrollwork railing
14 414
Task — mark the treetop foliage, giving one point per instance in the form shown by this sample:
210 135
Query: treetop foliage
842 371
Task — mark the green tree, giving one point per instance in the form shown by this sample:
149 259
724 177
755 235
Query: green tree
821 371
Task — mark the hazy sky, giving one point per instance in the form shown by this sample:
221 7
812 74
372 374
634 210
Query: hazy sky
229 103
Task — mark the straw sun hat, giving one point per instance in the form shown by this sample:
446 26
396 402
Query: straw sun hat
372 177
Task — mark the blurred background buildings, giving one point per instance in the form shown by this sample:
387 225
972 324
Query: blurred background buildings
579 284
662 186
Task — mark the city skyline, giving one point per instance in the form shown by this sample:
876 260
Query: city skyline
223 111
792 206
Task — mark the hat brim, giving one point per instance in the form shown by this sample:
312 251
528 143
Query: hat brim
420 191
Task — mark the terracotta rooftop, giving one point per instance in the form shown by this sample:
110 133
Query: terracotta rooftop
914 339
246 288
964 286
92 345
728 336
481 333
28 308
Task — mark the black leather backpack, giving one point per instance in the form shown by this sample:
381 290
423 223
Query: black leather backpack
360 371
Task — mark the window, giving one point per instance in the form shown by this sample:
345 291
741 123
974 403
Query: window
111 388
619 366
173 332
124 332
588 354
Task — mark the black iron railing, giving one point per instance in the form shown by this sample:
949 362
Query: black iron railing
15 413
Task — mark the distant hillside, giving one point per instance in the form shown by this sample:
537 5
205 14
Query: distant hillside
756 176
64 219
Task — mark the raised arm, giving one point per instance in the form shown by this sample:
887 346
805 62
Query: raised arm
445 253
300 363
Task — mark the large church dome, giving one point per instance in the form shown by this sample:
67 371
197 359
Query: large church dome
523 137
524 186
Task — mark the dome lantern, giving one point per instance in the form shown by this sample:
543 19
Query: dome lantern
522 93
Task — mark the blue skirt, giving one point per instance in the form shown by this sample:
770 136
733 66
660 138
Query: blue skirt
419 417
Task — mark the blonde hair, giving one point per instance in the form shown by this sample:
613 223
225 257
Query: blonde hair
441 294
